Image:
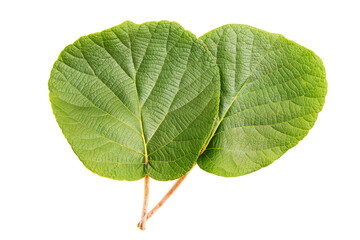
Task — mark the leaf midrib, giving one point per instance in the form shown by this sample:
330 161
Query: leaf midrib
138 101
227 109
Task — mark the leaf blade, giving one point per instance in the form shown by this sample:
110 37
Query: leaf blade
285 83
120 93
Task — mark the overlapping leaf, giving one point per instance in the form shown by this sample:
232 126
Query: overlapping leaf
142 99
272 90
136 94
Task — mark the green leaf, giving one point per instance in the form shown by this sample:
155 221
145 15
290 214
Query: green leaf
133 94
272 90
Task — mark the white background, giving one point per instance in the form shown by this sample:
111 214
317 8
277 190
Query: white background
312 192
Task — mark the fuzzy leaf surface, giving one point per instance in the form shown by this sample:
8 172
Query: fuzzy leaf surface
136 93
272 90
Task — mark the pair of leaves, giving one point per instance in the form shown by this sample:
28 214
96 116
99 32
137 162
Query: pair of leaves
150 98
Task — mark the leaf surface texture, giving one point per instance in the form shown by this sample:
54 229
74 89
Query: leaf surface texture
133 94
272 90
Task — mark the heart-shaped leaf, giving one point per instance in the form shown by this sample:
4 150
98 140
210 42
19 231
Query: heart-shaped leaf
272 90
136 99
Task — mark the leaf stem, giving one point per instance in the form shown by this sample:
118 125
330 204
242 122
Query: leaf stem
144 214
167 195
